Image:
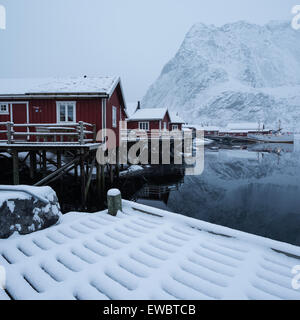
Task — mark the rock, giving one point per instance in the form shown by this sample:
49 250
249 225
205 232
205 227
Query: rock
25 213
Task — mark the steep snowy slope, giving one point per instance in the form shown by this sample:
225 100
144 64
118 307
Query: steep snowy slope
239 71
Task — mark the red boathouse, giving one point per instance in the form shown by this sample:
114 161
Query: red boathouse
98 101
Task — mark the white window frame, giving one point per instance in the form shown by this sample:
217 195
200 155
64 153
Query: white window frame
165 126
114 116
66 103
175 127
144 125
7 108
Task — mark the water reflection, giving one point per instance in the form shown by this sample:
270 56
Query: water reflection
253 188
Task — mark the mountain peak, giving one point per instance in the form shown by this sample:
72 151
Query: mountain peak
233 66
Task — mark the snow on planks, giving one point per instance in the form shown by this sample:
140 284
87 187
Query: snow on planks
145 256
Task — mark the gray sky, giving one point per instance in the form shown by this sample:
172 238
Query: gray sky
130 38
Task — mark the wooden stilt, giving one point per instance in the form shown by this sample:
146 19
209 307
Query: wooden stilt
76 171
44 162
32 164
98 178
103 178
58 158
90 174
117 163
16 178
82 178
111 173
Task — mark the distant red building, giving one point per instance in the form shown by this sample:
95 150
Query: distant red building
176 122
98 101
150 119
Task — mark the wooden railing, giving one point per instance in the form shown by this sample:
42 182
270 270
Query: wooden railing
132 134
65 133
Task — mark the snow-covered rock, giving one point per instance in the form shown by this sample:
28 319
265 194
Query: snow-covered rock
236 72
26 209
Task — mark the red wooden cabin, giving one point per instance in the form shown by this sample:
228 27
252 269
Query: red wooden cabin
176 122
149 119
98 101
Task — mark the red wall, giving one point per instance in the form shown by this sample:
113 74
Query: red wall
153 124
115 101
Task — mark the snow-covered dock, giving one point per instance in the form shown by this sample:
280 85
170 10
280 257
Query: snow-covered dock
145 253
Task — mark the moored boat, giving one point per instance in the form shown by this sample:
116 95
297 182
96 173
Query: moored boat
275 137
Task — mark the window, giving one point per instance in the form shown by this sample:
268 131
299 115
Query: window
144 126
4 108
175 127
165 126
66 111
114 117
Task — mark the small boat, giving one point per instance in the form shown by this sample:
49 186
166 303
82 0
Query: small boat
275 137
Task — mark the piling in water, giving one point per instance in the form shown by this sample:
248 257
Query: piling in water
114 201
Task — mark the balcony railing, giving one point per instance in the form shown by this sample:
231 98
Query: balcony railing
65 133
136 134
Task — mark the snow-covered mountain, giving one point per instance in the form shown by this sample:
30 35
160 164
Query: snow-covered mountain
237 72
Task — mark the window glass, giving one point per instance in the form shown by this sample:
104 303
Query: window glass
3 108
62 112
70 113
114 116
66 112
144 126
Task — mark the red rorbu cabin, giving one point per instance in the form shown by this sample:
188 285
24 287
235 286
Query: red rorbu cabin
176 122
150 119
97 101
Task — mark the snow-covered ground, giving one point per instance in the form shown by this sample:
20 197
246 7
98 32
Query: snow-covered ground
145 253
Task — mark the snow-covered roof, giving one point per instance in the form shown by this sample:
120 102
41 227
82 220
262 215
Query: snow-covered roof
175 118
209 128
131 108
160 255
75 85
244 126
149 114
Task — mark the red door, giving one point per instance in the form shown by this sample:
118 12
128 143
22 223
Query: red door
19 116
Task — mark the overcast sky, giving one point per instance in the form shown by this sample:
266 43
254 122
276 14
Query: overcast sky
130 38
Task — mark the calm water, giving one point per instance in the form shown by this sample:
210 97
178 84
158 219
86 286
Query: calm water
256 190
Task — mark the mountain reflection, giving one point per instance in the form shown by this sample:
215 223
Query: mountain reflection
256 190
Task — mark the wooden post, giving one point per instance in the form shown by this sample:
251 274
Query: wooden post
90 174
9 132
114 201
44 162
32 164
102 178
118 163
98 178
111 173
16 178
94 133
58 158
82 178
76 171
81 132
